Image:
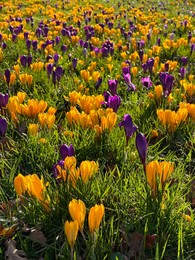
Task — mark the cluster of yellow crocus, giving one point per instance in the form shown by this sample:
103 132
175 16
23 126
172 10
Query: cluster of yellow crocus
26 79
190 108
99 120
37 66
86 103
70 173
188 87
77 210
158 173
172 119
32 185
33 108
90 75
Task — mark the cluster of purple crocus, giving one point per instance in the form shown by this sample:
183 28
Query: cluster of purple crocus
112 100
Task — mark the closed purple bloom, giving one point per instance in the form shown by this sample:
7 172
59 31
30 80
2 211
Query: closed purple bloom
127 78
29 60
66 150
167 83
98 83
34 45
74 63
150 64
56 57
14 36
182 72
142 147
24 60
50 67
129 127
57 40
59 72
3 126
112 84
7 76
141 54
64 48
147 82
144 67
28 44
184 61
3 100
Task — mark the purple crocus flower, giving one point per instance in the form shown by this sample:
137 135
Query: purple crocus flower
24 60
34 45
56 57
66 150
29 60
50 67
167 83
144 67
106 95
112 84
142 147
7 76
113 102
129 127
141 54
150 64
64 48
74 63
98 83
28 44
3 126
184 61
182 72
147 82
3 100
59 72
127 78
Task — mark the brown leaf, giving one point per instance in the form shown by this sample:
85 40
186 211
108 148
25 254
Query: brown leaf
12 253
135 243
38 237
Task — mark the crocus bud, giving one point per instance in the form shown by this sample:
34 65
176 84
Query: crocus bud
3 100
7 76
129 127
71 230
142 147
77 210
3 126
112 84
96 214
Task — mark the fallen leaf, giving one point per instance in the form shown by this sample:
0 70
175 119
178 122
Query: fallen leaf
12 253
38 237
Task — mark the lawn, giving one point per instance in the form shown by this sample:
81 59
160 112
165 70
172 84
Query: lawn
97 130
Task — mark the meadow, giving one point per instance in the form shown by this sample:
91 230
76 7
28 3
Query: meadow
97 129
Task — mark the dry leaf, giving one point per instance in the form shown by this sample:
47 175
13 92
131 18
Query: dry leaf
12 253
38 237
